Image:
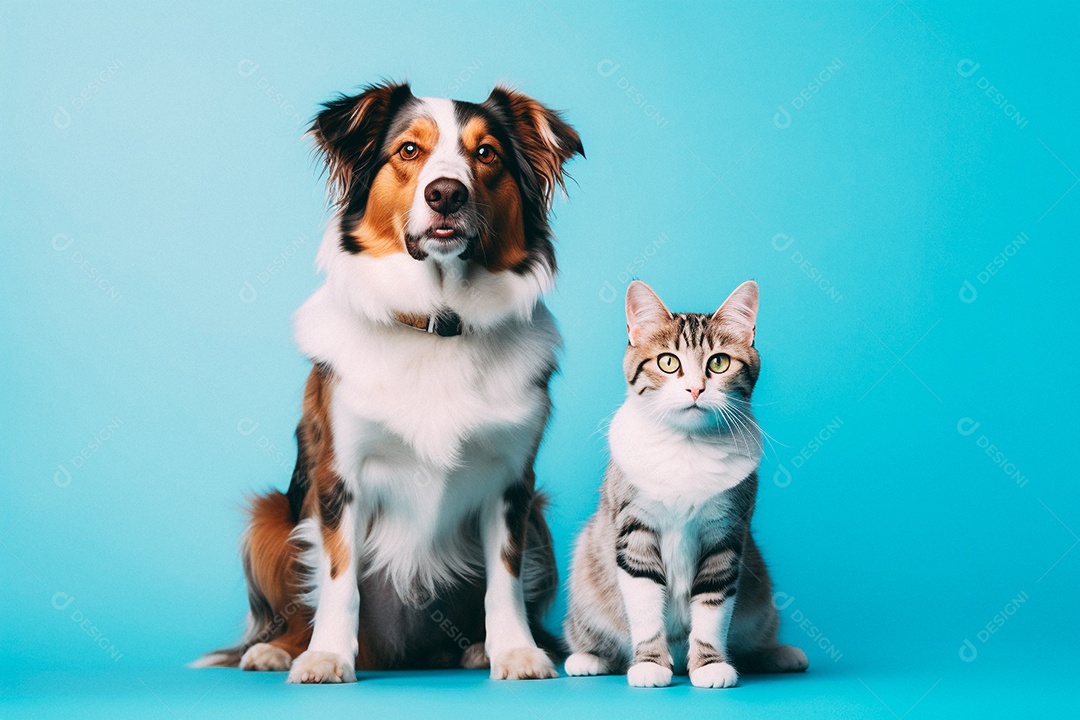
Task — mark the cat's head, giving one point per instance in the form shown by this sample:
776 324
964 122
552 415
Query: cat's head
692 371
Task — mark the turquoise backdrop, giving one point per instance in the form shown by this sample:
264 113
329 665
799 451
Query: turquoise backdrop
899 177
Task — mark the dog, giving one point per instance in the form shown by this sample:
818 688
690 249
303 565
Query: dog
412 534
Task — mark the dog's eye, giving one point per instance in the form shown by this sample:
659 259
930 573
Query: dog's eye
409 151
486 153
668 363
719 363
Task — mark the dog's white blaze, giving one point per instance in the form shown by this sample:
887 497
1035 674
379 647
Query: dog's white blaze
445 161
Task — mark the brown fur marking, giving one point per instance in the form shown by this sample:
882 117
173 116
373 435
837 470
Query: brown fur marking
326 496
501 245
382 230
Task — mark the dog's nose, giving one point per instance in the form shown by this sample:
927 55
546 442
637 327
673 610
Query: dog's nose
446 195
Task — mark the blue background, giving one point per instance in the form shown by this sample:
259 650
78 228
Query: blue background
160 215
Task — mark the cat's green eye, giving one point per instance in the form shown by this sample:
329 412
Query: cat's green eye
719 363
668 362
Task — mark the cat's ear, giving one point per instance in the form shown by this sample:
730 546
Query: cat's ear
738 314
645 312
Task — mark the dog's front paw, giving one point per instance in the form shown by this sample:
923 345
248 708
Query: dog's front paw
523 663
714 675
315 666
648 674
264 656
475 657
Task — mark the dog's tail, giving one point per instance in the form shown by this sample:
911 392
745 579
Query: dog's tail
268 556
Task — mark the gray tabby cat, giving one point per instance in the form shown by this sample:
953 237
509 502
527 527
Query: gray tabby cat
668 556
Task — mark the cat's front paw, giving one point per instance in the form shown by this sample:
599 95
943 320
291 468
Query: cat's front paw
585 664
714 675
648 674
315 666
523 663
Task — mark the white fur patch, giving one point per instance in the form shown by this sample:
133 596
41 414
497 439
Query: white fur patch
427 429
648 674
673 468
580 664
375 288
316 666
715 675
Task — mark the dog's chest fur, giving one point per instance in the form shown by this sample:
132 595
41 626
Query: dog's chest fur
428 429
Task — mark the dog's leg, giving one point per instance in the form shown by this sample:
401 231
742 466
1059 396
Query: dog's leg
509 642
331 656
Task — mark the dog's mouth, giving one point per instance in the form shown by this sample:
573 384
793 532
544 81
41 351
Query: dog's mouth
445 236
445 232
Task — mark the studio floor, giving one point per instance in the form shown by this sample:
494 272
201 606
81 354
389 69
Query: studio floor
981 689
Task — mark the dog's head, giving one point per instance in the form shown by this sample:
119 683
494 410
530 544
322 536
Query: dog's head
441 179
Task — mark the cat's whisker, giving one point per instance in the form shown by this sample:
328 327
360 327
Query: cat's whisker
735 428
603 426
773 442
747 417
739 404
744 429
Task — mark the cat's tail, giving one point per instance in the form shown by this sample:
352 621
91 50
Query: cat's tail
780 659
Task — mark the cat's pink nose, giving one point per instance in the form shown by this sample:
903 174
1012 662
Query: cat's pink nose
694 392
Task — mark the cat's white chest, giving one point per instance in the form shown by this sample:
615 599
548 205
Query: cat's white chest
673 470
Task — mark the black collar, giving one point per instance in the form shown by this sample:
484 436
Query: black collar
445 323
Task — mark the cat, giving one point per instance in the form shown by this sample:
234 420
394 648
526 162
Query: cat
668 558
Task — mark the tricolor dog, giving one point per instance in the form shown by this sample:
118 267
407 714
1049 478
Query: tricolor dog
413 505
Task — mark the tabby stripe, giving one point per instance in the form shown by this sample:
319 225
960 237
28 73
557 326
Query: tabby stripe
632 525
654 650
733 542
703 653
720 583
632 567
637 372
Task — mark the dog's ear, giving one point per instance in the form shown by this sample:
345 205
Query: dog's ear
349 133
541 136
